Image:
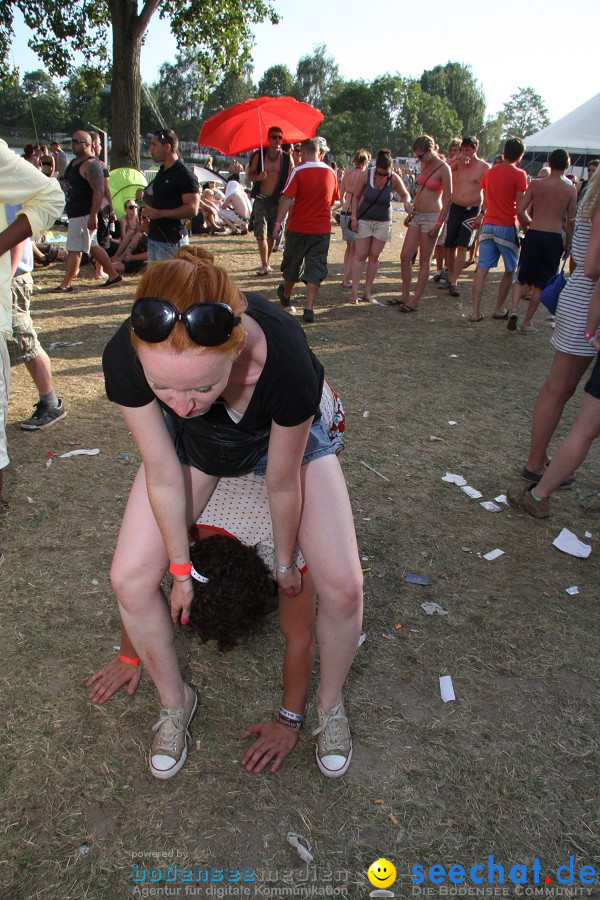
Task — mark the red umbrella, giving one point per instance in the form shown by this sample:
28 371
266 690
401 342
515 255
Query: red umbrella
245 125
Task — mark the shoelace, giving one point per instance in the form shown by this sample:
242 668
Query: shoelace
172 726
333 729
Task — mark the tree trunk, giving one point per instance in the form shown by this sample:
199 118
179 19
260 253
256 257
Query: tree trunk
126 83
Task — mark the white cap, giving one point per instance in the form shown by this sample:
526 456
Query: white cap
323 148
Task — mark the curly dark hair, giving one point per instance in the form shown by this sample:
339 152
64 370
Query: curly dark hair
238 597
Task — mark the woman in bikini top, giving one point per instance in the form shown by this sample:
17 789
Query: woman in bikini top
429 210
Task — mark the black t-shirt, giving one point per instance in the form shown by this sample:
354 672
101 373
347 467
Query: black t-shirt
288 392
168 189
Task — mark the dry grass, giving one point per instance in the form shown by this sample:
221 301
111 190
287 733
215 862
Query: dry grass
509 769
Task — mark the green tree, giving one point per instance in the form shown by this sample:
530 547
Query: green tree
45 104
364 114
424 113
178 95
277 81
218 32
456 83
524 113
490 136
232 89
317 79
83 91
13 100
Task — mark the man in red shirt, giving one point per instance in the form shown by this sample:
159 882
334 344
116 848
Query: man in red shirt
503 186
312 189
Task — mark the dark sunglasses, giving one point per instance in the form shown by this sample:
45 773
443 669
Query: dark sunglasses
276 137
131 206
208 324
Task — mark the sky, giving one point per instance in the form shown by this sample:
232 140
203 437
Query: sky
553 49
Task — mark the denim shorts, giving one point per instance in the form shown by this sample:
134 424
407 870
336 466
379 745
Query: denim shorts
319 444
160 250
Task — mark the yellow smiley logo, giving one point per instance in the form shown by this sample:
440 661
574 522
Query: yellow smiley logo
381 873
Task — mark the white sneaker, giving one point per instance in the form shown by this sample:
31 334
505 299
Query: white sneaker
334 742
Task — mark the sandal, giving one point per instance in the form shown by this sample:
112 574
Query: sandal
393 302
502 317
472 321
405 308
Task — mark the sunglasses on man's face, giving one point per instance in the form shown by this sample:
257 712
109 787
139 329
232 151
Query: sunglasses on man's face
276 137
208 324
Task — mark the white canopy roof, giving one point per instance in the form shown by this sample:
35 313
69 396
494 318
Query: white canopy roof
578 132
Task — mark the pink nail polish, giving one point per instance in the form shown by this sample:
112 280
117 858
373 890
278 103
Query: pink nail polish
184 621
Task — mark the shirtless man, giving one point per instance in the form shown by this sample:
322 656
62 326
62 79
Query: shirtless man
546 208
236 208
467 172
268 176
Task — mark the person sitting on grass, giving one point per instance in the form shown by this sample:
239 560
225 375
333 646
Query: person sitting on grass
132 254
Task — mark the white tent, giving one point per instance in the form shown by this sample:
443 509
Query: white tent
578 132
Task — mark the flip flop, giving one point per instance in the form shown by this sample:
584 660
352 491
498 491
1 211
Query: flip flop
503 317
262 274
394 302
60 290
473 321
405 308
112 281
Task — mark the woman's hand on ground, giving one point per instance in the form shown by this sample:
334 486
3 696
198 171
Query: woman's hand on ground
275 742
108 680
182 597
289 583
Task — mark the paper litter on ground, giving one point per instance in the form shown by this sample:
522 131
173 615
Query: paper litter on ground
501 498
493 554
471 492
432 609
447 688
416 578
454 479
454 356
433 438
294 841
588 534
366 414
80 453
570 543
573 590
452 422
362 639
491 506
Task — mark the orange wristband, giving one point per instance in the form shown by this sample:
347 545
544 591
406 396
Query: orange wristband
128 659
180 568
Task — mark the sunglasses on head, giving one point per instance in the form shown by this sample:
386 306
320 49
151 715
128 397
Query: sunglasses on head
208 324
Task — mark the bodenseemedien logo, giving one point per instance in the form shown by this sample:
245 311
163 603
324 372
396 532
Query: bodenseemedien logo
381 874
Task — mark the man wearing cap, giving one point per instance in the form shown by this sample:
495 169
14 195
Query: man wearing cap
467 171
312 188
268 171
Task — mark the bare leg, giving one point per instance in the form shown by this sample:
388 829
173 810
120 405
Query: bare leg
573 449
426 245
517 294
375 252
311 294
477 289
533 305
41 371
103 259
348 263
503 288
264 252
565 374
328 544
362 249
139 564
454 273
411 242
72 268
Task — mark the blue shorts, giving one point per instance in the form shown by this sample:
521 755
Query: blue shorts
496 241
319 444
160 250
